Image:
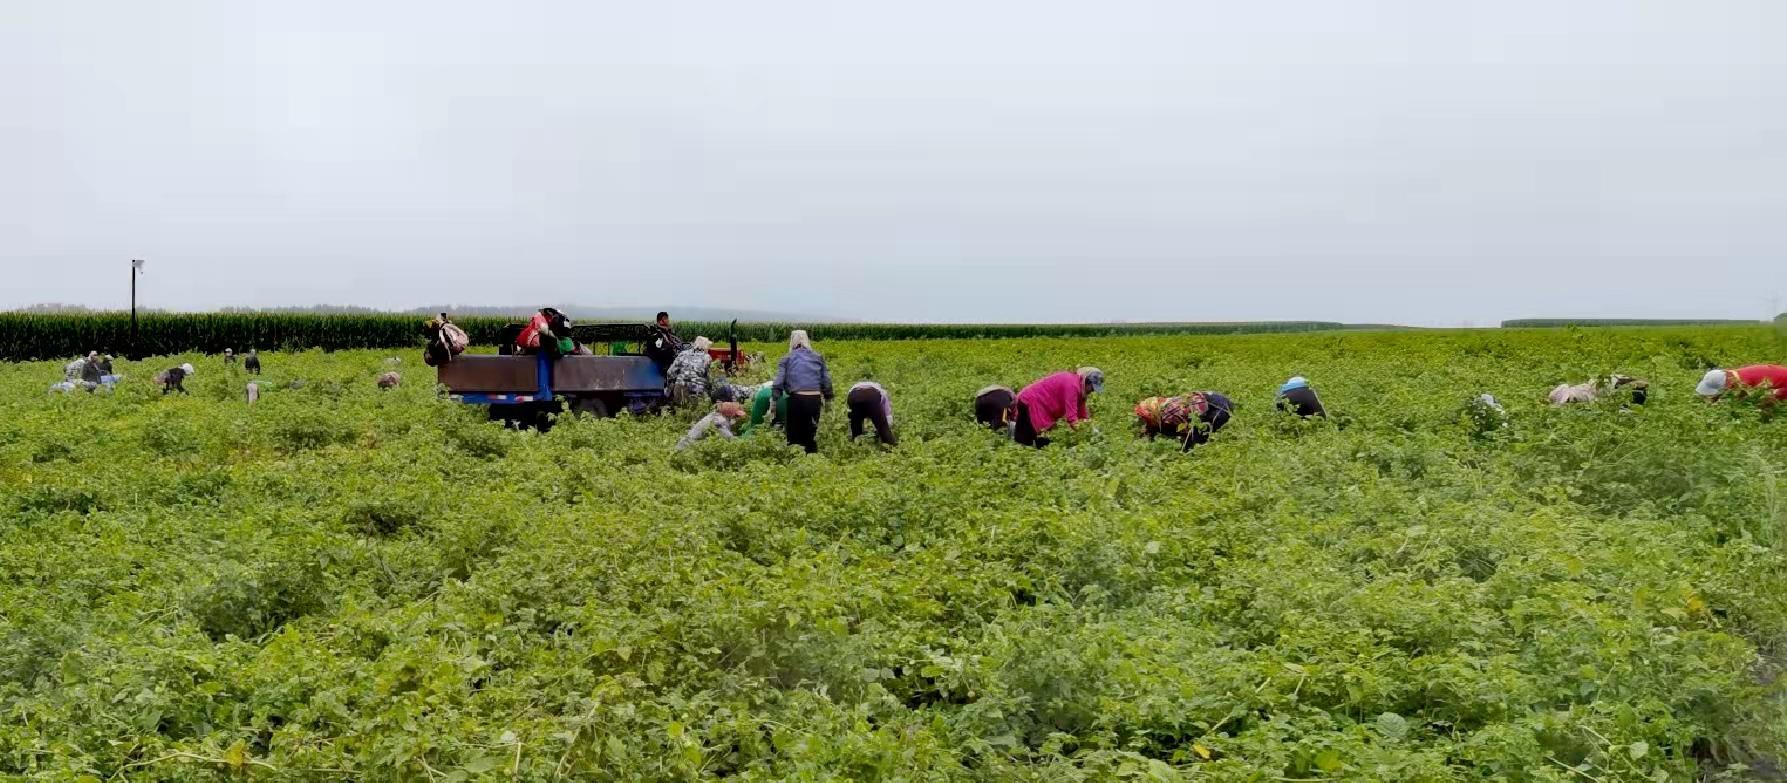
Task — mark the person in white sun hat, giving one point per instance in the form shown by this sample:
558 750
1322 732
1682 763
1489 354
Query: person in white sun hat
174 380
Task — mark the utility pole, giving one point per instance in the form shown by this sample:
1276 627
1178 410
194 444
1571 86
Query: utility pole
136 268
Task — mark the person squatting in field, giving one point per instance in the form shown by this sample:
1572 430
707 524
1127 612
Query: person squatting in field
687 379
868 401
995 407
802 378
1045 403
1601 388
1296 397
718 422
1191 418
1744 380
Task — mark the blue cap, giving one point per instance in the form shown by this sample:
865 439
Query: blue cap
1298 382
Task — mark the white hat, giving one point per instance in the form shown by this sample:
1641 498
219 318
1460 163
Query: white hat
702 343
1093 377
187 368
1712 384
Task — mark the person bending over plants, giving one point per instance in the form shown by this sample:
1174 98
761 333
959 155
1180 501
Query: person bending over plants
1057 397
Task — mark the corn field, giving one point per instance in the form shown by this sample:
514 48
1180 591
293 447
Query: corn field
29 337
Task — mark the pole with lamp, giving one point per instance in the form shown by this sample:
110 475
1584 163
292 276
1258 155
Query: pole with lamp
136 268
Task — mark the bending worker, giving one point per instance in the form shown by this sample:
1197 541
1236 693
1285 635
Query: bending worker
994 407
719 421
805 382
1296 397
763 402
688 376
1191 418
1043 404
1591 390
868 401
1743 380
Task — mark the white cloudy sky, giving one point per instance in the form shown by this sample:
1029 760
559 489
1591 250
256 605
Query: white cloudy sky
1384 160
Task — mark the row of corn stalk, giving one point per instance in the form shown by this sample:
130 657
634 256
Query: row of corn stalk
30 336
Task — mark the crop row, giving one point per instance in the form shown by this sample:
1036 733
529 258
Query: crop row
27 337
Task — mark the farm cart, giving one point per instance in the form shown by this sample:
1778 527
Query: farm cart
523 390
729 358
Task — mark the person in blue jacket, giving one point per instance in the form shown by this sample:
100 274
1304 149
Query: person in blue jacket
805 381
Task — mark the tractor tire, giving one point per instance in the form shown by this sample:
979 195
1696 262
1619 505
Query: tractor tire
592 406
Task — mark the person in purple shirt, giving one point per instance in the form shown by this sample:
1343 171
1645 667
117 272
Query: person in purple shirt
869 402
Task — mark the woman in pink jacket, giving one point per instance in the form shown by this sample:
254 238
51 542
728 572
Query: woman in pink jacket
1043 404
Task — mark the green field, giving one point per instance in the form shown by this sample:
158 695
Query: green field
344 584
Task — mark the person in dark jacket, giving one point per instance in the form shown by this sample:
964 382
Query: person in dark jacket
869 402
174 380
1296 397
91 371
253 362
805 381
662 345
995 407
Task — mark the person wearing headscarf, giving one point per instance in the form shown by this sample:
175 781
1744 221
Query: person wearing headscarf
229 356
91 373
803 378
253 362
1191 418
869 402
688 375
72 372
1056 397
1592 390
1296 397
718 422
1769 378
995 407
389 380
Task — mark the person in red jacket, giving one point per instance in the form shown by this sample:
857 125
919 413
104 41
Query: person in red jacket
1043 404
1771 378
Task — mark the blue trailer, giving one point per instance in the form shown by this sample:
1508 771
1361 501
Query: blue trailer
526 390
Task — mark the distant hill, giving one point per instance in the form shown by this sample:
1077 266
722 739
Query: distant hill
1548 323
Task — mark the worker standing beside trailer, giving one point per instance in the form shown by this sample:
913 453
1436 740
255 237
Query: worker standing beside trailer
662 345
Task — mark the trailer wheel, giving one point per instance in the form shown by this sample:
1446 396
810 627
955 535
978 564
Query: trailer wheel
591 406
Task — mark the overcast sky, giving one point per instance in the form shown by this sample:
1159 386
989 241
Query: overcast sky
1400 160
